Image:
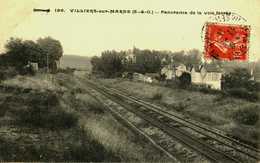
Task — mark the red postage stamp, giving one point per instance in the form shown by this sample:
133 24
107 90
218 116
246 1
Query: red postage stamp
226 42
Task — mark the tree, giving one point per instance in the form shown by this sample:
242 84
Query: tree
20 52
147 61
35 53
16 52
239 78
111 63
178 57
193 57
185 80
52 49
96 63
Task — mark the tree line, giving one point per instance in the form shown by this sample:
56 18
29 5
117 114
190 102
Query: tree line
45 51
113 63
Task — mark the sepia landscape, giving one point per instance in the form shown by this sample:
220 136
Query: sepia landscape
130 81
132 105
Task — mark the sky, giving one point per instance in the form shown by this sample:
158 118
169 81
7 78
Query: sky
89 34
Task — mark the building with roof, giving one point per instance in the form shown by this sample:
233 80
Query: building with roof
168 71
130 57
208 75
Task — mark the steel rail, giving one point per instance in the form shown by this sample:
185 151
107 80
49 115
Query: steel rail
197 127
184 137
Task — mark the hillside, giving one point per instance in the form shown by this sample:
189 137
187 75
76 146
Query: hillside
57 120
74 61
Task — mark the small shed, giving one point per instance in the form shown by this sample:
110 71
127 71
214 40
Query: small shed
34 66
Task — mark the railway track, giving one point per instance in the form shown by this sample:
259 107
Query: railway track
170 124
209 132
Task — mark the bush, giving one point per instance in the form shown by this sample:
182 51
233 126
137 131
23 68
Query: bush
61 119
185 80
77 91
67 70
79 146
239 78
157 96
26 71
203 88
208 90
180 106
7 72
248 115
243 93
44 111
95 107
88 149
14 151
44 99
42 117
219 97
2 76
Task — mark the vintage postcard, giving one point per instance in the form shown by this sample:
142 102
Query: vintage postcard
130 81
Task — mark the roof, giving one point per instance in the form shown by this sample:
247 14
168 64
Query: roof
179 64
212 68
197 68
208 67
169 66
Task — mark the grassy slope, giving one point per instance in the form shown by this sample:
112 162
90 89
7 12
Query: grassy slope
112 134
35 126
211 109
104 127
97 137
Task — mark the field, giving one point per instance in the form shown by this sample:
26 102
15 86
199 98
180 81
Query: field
52 118
237 117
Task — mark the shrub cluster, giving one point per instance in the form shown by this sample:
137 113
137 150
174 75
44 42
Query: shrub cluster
243 93
82 147
181 106
88 149
96 108
44 111
204 89
248 115
20 52
67 70
239 84
157 96
6 73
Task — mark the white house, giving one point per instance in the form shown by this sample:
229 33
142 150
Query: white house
130 57
168 71
171 71
180 69
206 75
